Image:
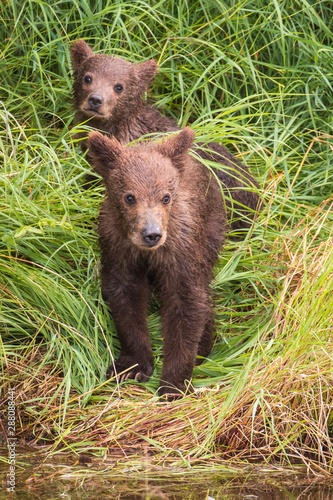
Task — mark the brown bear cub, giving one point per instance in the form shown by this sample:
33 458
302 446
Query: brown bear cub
109 92
161 227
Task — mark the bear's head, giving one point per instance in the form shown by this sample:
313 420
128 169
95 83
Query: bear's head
142 183
108 87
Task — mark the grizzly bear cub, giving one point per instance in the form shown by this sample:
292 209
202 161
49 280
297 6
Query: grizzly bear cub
109 91
161 227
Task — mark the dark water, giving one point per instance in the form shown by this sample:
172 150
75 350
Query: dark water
61 478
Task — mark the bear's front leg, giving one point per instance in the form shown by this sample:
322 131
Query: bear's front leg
127 296
185 312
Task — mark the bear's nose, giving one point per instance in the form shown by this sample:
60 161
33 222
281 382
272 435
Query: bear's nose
152 235
95 101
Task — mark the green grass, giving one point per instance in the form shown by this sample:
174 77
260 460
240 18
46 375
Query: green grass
256 76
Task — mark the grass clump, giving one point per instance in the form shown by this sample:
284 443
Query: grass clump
256 76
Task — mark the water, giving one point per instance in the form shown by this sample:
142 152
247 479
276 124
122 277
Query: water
64 478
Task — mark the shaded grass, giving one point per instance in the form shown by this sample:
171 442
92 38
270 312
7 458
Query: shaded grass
256 76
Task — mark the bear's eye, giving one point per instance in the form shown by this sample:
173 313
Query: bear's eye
87 79
119 88
166 199
129 199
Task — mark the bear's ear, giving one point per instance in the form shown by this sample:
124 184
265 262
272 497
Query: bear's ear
146 71
176 147
80 52
103 152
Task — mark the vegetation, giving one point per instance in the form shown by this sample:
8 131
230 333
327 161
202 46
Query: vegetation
253 75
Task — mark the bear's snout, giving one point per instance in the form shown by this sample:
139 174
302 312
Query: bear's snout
148 231
95 101
151 234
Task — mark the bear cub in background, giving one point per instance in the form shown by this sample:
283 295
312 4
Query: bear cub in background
161 227
109 92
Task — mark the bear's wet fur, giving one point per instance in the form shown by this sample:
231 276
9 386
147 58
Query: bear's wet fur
109 93
161 227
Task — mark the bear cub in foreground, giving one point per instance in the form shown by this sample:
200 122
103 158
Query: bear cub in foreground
161 227
109 92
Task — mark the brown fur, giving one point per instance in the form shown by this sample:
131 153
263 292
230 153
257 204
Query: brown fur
127 116
174 197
